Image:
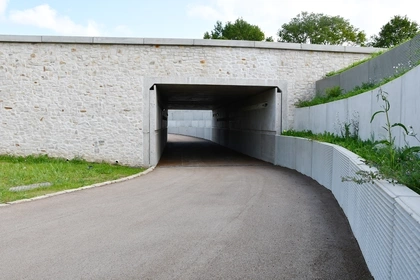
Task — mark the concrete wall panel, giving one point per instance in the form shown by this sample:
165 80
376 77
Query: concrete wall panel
286 152
302 119
304 157
410 101
404 100
360 111
393 89
268 147
359 74
190 123
318 118
388 64
337 116
328 82
322 158
384 218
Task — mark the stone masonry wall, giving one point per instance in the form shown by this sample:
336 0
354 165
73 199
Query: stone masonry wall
86 100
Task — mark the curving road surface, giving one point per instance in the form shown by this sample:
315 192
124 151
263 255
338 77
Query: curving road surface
204 213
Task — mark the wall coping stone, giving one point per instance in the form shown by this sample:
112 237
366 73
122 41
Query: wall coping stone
182 42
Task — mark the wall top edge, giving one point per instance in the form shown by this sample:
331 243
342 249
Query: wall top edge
181 42
407 198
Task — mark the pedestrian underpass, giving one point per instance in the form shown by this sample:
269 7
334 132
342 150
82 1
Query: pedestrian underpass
244 117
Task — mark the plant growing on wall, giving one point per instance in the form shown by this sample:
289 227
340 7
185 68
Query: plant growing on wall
391 157
333 92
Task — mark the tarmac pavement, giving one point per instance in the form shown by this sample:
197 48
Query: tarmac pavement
205 212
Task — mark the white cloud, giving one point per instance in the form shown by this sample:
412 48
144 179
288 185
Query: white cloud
44 16
270 15
3 5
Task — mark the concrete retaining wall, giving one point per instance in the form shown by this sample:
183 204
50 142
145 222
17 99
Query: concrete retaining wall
250 126
385 218
392 62
195 123
85 96
404 97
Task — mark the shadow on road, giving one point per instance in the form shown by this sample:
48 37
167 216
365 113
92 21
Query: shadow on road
194 152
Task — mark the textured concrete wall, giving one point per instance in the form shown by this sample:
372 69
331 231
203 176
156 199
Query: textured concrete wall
392 62
384 218
249 126
83 96
403 95
195 123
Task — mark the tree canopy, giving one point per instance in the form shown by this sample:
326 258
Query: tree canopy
321 29
239 30
396 31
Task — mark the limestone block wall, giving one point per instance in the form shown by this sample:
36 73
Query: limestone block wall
83 96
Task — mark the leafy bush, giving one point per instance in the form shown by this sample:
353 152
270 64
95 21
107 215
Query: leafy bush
333 92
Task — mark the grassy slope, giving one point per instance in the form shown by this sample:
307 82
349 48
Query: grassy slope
63 174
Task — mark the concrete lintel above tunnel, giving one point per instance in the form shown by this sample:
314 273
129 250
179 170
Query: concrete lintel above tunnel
205 97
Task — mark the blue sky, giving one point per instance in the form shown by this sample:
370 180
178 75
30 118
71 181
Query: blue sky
182 18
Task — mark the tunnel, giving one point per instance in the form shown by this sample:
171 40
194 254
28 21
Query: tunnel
245 117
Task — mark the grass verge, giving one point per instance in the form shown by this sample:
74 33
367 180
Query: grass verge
61 173
365 87
406 171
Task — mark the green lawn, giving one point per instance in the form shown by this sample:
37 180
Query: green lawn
61 173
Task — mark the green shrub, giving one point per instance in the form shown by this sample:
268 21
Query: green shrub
333 92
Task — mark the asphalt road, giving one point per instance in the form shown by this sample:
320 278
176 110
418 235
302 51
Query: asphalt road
204 213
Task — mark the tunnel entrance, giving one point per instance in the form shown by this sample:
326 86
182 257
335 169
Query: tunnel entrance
187 151
245 117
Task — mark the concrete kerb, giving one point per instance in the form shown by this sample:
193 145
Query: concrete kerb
150 169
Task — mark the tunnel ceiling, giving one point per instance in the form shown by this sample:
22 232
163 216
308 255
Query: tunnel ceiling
204 97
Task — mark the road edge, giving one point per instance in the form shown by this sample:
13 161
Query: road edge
150 169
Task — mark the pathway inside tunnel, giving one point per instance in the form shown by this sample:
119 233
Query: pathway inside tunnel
205 212
195 152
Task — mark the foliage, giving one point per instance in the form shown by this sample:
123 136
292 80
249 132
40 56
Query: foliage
269 39
317 100
320 29
389 141
61 173
239 30
398 30
406 172
333 92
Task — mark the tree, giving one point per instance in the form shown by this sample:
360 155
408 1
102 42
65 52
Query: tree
396 31
311 28
239 30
